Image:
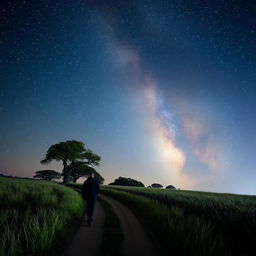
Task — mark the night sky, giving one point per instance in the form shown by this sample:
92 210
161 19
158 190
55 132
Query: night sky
164 91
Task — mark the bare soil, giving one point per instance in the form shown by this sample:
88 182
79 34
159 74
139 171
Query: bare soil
87 240
136 241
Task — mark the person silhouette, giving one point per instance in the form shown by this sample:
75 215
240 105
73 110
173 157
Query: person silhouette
90 190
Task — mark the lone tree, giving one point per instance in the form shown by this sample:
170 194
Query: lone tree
47 175
127 182
81 169
69 152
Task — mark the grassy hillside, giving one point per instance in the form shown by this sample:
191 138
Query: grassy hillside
173 232
227 221
232 218
34 214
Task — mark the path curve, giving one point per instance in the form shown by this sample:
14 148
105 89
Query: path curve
87 240
136 242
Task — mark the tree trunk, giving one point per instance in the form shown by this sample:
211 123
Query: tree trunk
66 172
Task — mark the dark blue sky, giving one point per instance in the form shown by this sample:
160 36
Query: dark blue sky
164 91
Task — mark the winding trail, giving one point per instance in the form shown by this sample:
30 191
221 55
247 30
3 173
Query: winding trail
87 240
136 242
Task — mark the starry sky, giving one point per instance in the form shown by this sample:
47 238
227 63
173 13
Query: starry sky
163 90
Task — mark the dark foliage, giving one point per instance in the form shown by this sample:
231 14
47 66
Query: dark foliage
81 169
170 187
156 185
47 175
69 152
121 181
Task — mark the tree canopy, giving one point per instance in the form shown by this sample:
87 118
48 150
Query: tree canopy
81 169
170 187
127 182
67 151
156 185
91 158
70 152
47 175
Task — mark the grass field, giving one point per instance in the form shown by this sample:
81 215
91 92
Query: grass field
34 215
231 218
175 233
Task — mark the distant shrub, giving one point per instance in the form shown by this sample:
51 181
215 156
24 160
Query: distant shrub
170 187
156 185
121 181
47 175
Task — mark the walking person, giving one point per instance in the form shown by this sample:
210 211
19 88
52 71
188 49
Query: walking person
90 190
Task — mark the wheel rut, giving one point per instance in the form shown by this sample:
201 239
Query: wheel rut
136 241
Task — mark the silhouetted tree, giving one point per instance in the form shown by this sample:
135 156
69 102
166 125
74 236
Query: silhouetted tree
69 152
156 185
170 187
127 182
81 169
47 175
90 158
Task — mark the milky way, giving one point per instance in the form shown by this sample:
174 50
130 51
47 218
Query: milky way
164 91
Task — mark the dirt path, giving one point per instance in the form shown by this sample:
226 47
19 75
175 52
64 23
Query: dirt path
136 242
87 240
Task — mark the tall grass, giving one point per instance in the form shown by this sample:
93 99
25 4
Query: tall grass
176 233
232 217
34 214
